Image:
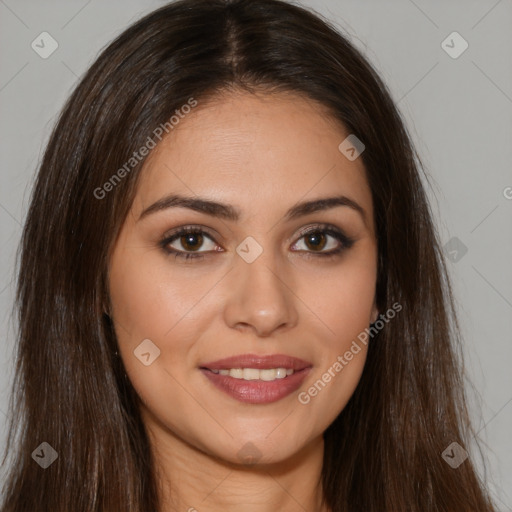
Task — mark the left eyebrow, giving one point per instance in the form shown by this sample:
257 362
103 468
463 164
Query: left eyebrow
307 207
229 212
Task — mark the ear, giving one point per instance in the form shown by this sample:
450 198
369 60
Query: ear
105 294
106 305
375 312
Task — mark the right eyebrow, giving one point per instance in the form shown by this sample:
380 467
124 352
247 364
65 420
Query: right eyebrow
202 205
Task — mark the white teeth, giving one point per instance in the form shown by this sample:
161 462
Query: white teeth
269 374
237 373
249 373
256 374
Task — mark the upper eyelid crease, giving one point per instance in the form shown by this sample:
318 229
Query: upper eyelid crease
197 228
228 212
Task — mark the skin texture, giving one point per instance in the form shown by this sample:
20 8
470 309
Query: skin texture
262 154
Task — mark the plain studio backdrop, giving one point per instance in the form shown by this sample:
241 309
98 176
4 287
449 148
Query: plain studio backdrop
449 68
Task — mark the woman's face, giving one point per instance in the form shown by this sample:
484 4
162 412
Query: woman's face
257 283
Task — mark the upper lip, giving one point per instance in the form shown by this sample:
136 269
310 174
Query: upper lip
258 361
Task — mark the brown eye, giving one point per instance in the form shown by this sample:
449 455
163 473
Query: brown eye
191 241
323 240
315 240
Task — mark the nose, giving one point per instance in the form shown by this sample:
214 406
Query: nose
259 297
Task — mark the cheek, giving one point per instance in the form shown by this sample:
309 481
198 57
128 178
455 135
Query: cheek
154 302
154 299
150 295
342 298
342 303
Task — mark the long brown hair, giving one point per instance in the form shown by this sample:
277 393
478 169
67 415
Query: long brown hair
384 450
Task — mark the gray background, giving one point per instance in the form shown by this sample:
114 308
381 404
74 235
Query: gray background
458 111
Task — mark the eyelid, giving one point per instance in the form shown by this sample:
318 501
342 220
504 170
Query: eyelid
191 228
331 230
318 227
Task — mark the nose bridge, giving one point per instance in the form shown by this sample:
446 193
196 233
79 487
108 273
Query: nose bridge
260 297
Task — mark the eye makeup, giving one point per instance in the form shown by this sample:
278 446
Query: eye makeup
194 235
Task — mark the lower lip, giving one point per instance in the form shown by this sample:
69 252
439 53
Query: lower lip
257 391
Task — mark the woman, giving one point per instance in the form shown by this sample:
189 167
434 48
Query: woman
231 292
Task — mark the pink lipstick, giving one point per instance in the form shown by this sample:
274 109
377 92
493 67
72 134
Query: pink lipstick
257 379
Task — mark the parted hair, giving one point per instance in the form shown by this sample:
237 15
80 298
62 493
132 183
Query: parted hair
383 451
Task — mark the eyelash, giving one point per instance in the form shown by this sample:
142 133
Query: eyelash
345 241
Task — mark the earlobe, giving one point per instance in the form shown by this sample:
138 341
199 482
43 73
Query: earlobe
106 306
375 313
105 294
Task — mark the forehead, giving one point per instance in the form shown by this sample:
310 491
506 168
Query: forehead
258 152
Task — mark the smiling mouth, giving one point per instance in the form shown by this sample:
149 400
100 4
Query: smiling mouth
262 386
257 379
